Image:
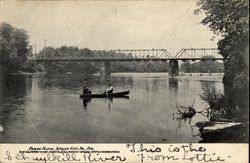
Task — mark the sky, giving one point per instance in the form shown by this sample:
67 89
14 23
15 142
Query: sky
104 25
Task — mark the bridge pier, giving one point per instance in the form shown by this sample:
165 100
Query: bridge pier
106 68
173 68
47 67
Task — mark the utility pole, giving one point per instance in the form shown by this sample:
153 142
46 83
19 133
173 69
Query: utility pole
44 49
34 51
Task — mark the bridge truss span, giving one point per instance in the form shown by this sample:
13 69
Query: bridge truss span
198 54
138 53
192 54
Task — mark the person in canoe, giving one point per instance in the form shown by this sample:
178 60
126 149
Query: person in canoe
109 90
86 89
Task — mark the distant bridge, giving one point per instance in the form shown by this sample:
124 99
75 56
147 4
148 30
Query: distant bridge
191 54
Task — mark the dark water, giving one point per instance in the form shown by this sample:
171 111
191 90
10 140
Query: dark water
47 109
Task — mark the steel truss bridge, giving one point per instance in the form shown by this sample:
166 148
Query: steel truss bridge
192 54
125 55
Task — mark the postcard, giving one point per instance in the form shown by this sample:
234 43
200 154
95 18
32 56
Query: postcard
124 81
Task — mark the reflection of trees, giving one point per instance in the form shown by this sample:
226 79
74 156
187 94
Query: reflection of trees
13 92
207 84
64 82
121 82
156 84
16 86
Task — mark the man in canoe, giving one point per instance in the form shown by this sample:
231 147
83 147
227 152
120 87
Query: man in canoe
86 90
109 90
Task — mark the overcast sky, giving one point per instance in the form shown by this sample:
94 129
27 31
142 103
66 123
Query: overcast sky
110 25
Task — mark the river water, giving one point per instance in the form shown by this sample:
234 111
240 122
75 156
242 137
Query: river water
43 108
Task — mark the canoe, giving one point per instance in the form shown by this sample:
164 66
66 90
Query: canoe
104 95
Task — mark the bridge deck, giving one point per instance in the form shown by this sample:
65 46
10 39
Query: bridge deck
123 59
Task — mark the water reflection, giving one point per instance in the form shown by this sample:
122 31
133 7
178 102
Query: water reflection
69 82
85 102
182 123
14 97
110 100
173 83
184 115
15 85
205 84
47 109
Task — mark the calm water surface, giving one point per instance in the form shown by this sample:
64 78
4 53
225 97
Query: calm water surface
47 109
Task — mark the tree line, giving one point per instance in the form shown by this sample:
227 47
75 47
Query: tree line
131 66
203 66
65 52
230 20
14 49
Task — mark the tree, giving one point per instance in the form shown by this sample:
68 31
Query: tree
230 19
204 66
14 48
186 67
